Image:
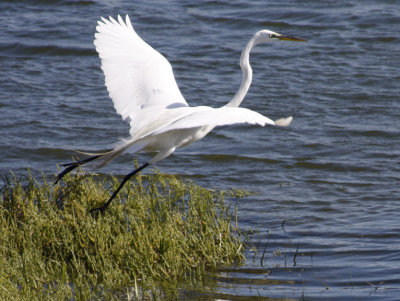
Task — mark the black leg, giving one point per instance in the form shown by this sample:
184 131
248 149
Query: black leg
127 177
71 166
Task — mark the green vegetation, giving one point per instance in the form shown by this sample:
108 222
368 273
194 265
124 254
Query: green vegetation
160 232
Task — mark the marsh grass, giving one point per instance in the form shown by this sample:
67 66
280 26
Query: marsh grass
160 232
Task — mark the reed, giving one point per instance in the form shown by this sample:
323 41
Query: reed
159 233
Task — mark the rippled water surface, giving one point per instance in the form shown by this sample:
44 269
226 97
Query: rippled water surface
326 189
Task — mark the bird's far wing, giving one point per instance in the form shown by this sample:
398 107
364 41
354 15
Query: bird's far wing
206 116
136 75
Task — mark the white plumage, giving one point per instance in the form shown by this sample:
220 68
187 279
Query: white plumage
137 76
141 84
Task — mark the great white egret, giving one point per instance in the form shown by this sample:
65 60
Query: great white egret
142 86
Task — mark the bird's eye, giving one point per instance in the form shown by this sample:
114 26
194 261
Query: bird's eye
272 36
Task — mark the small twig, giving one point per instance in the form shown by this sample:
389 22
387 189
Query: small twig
265 249
295 255
326 286
373 285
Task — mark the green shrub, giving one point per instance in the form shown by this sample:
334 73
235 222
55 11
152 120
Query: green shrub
158 232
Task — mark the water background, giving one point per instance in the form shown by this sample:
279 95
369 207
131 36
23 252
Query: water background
326 190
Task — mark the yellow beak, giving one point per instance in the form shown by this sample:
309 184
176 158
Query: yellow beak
287 38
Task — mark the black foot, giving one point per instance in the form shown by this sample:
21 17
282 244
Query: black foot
100 210
97 211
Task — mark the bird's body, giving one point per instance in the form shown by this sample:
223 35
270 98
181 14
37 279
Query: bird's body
141 83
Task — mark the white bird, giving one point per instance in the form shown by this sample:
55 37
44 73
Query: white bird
141 83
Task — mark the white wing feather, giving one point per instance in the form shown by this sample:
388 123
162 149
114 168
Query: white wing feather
207 116
136 75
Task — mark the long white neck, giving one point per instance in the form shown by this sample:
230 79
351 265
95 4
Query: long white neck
247 75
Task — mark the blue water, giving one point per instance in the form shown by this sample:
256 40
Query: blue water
325 202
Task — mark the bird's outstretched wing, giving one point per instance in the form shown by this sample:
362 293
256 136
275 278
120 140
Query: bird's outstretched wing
137 76
194 117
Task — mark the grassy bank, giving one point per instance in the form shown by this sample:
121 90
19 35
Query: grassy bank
159 232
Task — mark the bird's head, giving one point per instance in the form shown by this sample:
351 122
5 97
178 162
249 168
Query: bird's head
268 35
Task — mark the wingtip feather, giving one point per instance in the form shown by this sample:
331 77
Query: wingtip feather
128 21
284 121
120 20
